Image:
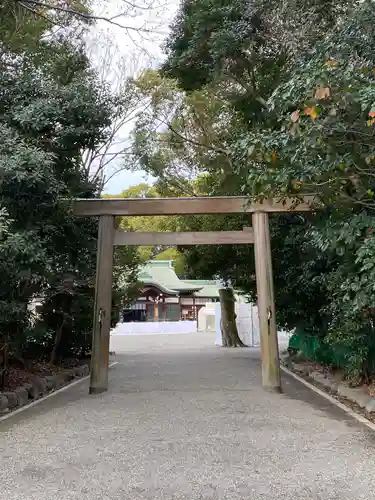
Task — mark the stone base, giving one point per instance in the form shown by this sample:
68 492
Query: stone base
39 387
275 390
97 390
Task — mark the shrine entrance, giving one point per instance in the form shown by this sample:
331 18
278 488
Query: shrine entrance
258 234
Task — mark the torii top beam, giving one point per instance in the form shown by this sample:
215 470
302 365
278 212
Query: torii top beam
187 206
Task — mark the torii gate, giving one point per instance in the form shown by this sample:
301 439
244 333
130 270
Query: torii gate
106 209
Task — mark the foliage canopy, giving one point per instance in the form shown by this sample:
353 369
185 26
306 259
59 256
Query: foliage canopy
277 99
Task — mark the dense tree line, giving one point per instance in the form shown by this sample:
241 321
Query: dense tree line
52 109
266 99
276 99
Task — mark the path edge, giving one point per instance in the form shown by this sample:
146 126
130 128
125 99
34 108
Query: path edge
357 416
50 395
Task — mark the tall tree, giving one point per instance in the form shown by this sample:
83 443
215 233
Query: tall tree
51 109
303 93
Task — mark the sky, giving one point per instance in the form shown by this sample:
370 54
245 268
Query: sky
134 47
124 180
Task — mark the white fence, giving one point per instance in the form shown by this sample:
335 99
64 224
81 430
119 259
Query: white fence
247 324
208 320
155 328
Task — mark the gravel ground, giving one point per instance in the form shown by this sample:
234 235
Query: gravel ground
185 420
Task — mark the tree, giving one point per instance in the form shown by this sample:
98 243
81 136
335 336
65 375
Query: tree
180 136
51 109
245 44
38 167
228 326
302 92
322 141
117 72
126 286
146 223
172 253
113 155
128 15
195 141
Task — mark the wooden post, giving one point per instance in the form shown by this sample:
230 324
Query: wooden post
164 315
266 304
156 309
102 306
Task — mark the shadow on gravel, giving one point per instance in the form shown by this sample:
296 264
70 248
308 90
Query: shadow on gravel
293 389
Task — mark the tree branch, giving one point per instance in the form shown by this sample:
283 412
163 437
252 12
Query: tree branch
48 19
192 141
82 15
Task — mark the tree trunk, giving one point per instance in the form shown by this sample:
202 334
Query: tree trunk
4 352
58 338
228 325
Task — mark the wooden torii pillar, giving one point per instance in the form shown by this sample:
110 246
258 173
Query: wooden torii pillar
108 208
269 345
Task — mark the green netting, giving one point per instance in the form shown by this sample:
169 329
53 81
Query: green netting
315 349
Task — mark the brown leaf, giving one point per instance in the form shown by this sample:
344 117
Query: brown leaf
322 93
332 63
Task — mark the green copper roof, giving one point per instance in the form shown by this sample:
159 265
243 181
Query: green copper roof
210 288
211 291
161 274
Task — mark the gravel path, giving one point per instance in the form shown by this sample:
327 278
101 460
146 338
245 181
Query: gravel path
185 420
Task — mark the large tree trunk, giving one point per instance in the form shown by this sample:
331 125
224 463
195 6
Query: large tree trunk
4 351
228 325
58 338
